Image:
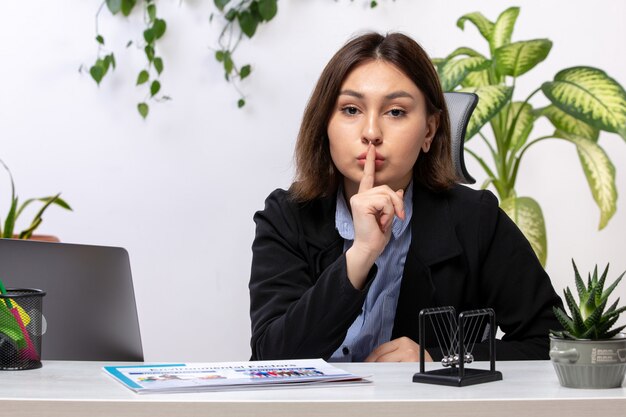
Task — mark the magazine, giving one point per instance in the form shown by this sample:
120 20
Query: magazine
190 377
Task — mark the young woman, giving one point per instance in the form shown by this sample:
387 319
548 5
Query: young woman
375 228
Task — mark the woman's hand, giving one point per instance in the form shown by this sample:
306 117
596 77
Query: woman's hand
373 211
401 349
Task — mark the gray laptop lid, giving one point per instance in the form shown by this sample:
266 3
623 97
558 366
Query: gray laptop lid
89 305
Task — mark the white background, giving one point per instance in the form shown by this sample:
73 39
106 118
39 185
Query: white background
179 190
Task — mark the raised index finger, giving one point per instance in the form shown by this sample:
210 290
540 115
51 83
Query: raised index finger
367 181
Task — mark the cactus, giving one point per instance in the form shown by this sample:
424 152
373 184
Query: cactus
589 319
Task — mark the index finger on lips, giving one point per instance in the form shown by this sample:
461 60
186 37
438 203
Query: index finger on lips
367 181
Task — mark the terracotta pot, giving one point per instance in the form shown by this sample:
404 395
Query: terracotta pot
42 238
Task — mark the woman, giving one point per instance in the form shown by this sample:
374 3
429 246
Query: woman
375 229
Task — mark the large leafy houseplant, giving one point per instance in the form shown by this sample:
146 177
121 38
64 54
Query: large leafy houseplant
583 101
15 210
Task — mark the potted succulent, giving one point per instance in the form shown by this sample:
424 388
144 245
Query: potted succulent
589 352
7 230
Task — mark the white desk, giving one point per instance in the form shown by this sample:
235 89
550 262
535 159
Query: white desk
529 388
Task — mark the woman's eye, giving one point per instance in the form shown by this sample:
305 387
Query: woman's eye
350 110
396 112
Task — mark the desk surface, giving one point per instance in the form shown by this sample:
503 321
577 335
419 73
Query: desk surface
529 388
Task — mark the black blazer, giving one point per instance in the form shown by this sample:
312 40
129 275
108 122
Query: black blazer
465 252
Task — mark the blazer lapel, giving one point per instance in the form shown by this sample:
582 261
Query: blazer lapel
433 240
322 239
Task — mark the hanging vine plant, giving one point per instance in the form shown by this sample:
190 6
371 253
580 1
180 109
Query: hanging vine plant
241 18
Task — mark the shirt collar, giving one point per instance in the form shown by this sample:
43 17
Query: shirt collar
343 218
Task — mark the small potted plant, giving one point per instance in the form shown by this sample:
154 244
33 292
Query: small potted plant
7 230
589 352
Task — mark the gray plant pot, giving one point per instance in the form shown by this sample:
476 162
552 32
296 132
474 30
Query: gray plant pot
589 363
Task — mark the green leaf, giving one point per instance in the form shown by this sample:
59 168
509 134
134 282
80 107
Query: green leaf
229 65
112 59
492 99
149 52
464 51
143 77
240 103
219 55
27 233
143 109
127 6
580 285
254 9
503 29
523 125
609 290
97 73
564 319
518 58
527 214
589 94
476 79
220 4
484 25
108 62
248 23
600 174
231 15
149 35
573 308
568 124
455 70
373 4
268 9
100 39
9 223
114 5
245 71
159 28
104 63
158 64
154 87
151 12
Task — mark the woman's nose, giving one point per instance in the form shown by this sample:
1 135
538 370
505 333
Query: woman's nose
372 132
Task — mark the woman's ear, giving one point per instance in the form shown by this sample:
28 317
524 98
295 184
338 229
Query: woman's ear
432 124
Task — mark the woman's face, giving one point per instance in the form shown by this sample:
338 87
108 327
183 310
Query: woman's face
380 105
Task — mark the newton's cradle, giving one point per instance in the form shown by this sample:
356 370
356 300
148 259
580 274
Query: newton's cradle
456 337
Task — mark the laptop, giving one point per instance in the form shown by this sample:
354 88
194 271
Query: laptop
89 307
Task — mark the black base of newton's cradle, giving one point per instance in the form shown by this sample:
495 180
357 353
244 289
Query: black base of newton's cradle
451 377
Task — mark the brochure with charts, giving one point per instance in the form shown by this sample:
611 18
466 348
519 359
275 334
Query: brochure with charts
228 375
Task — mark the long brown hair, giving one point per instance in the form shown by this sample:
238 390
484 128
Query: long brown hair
316 174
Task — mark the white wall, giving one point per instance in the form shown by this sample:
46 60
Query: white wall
179 189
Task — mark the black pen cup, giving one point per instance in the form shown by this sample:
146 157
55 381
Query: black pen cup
22 325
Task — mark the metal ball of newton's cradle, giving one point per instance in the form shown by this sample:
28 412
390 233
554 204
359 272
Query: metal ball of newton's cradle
453 360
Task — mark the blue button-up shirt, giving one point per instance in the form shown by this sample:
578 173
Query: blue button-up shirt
374 325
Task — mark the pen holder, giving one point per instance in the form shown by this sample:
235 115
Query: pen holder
21 328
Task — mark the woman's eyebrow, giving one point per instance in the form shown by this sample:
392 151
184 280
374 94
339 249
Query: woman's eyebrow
390 96
351 93
398 94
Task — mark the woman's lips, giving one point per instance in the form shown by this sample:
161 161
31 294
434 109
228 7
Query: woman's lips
379 161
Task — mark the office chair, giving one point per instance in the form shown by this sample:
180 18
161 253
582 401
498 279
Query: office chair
460 108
